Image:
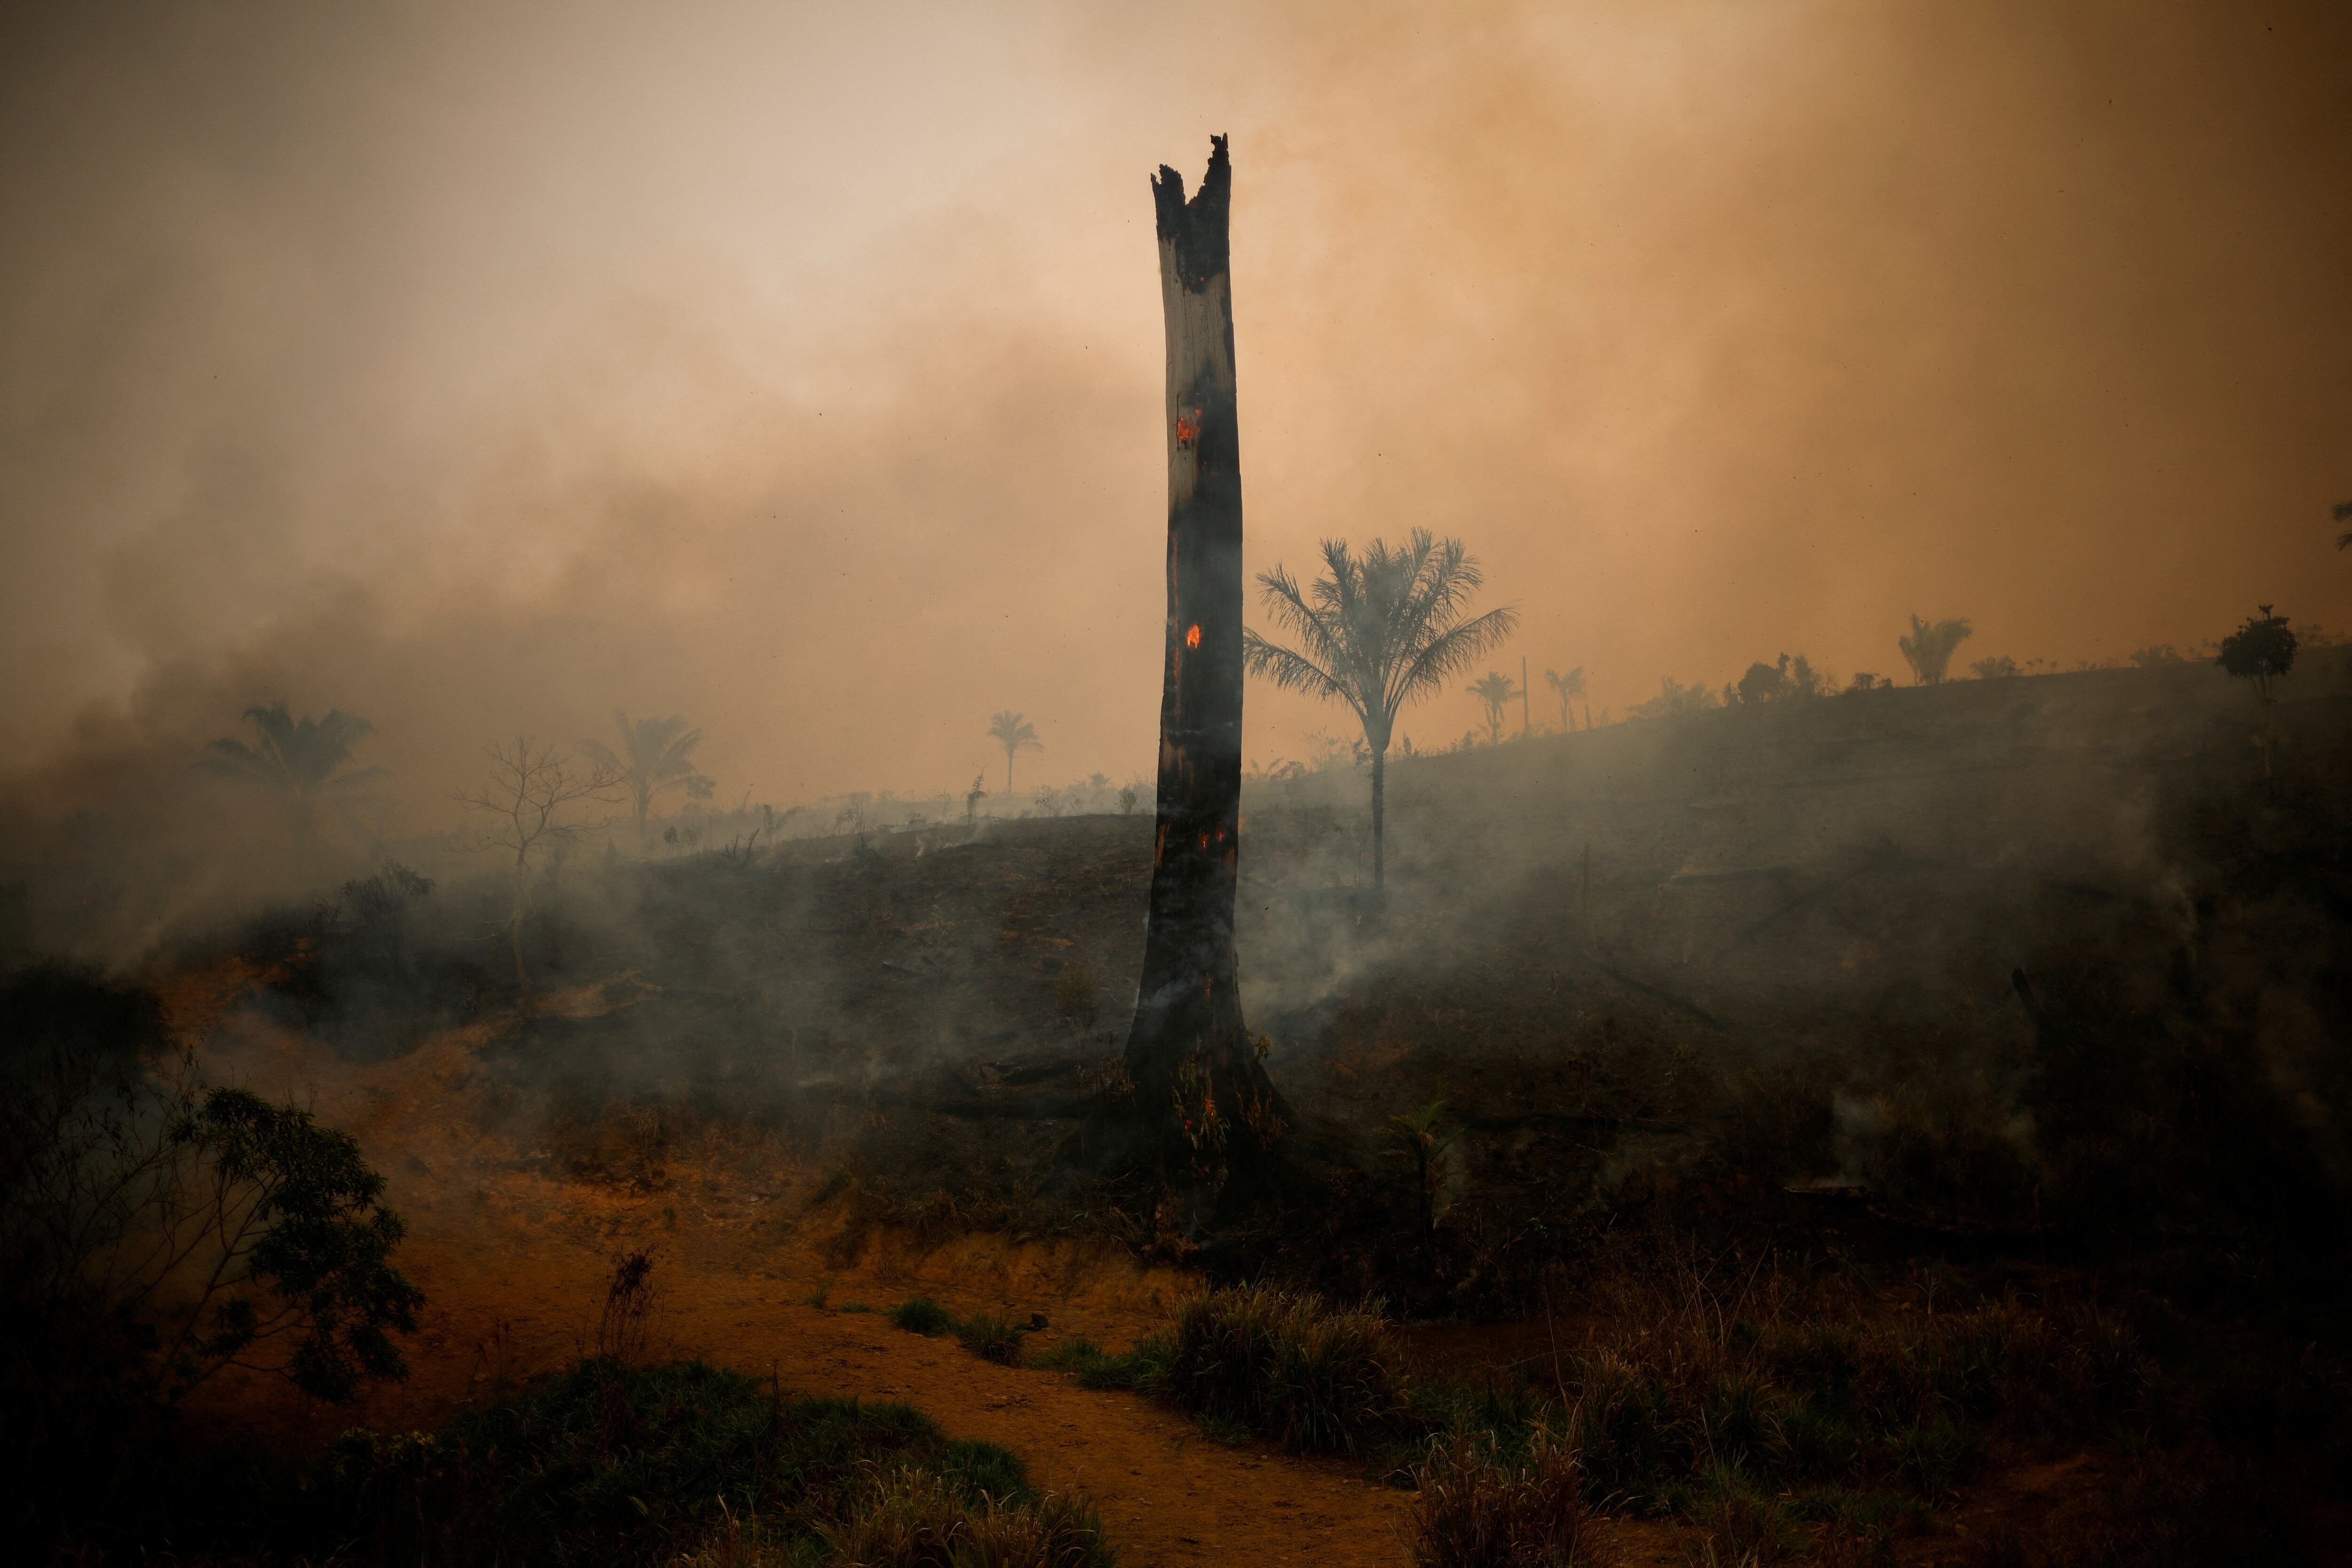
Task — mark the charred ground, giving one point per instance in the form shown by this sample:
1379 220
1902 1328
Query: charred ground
2022 999
1996 962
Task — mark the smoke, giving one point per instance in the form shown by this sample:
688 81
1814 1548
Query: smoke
798 371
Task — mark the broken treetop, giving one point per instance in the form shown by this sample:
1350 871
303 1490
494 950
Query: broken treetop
1197 227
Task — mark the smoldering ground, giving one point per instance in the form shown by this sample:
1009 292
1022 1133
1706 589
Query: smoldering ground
1958 954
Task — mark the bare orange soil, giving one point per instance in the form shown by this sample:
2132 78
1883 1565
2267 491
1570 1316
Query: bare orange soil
514 1263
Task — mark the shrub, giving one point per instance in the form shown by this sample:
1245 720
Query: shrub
913 1519
1143 1368
629 1299
1737 1526
153 1230
1071 1352
1319 1378
1681 1396
1474 1508
922 1315
610 1464
991 1338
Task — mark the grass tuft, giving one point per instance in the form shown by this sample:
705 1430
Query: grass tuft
1071 1352
1475 1507
617 1465
992 1338
911 1519
1321 1379
922 1315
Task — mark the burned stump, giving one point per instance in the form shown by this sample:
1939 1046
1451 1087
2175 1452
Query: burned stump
1197 1114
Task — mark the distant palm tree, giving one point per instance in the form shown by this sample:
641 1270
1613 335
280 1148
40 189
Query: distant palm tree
1015 734
1495 689
1377 632
301 760
1566 689
1929 647
656 754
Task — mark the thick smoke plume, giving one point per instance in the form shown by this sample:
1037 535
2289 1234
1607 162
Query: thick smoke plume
796 372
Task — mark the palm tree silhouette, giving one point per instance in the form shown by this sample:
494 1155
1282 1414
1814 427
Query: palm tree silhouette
1566 689
1378 632
1929 647
1015 734
298 759
656 754
1495 689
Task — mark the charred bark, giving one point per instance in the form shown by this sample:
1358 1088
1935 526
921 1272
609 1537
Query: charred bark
1197 1109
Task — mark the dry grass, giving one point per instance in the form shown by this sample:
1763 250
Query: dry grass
1477 1507
1322 1379
1794 1384
911 1519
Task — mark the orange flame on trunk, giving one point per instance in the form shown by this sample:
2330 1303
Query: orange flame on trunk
1192 638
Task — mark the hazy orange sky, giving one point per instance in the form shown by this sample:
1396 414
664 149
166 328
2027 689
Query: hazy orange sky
478 367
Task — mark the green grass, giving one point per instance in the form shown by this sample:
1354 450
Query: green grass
605 1464
922 1315
1261 1362
992 1338
1071 1352
1809 1399
1285 1365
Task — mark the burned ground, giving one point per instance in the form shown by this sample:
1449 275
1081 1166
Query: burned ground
2012 998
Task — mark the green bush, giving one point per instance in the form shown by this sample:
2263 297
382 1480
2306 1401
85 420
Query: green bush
991 1338
609 1464
1319 1378
922 1315
153 1230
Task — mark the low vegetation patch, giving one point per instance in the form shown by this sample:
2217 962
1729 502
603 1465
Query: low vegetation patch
610 1464
1796 1399
1477 1505
685 1462
992 1338
1260 1361
922 1315
913 1519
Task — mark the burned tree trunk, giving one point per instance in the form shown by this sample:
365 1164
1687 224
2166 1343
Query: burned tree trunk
1197 1108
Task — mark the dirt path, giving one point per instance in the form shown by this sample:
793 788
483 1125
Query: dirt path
514 1264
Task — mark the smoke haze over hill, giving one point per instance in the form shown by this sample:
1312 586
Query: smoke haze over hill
797 370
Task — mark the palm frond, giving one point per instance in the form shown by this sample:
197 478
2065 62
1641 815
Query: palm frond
1454 650
1290 670
1320 627
235 760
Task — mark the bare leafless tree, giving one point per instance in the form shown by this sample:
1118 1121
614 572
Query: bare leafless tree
530 787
